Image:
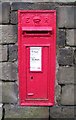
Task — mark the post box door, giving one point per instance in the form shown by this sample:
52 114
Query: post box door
36 56
37 72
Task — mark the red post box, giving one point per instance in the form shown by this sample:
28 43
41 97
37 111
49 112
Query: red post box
36 56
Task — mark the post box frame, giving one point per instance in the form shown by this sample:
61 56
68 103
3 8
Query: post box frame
22 82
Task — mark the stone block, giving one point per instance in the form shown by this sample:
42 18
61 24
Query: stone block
0 111
58 93
62 112
8 33
57 66
49 0
0 92
0 12
9 71
61 1
13 17
66 75
75 72
61 38
13 52
68 95
9 92
70 37
12 111
33 6
65 56
5 12
67 1
66 16
75 56
3 52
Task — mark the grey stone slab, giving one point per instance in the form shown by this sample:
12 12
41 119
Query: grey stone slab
49 0
66 75
61 38
0 33
5 13
14 17
68 95
33 6
75 56
65 56
0 52
3 52
70 37
8 33
9 92
62 112
66 16
9 71
0 12
0 92
65 0
13 49
38 1
58 93
12 111
0 111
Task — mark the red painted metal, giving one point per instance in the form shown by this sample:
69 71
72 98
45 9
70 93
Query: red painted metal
36 33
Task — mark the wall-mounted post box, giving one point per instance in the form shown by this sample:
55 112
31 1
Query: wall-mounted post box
36 56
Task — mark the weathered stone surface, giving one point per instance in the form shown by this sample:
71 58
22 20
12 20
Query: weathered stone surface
9 33
5 6
9 71
58 93
62 112
3 52
49 0
75 56
9 92
70 36
13 52
0 34
14 18
65 56
61 38
66 16
31 6
75 72
0 92
26 112
66 75
65 1
75 36
0 111
0 12
57 66
68 93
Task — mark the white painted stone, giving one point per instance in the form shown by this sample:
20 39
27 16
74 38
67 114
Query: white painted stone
0 92
1 111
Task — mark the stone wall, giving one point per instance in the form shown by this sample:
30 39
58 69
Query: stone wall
65 66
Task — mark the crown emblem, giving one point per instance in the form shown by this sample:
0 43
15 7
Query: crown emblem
36 19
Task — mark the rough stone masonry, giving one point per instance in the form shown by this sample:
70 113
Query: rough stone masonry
65 100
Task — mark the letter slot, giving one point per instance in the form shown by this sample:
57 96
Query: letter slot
37 32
